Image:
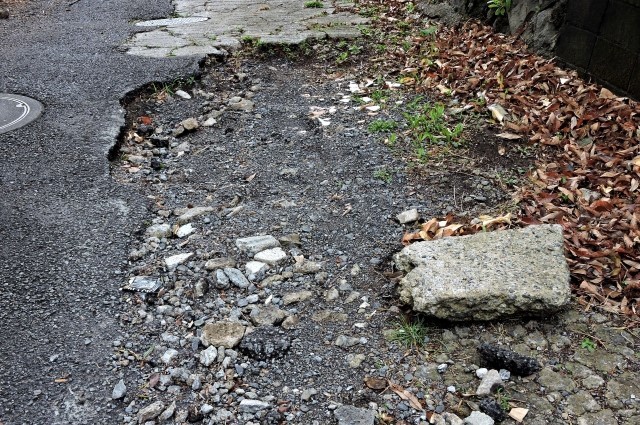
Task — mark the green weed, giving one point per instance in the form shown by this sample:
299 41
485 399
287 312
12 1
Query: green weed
428 126
411 334
315 4
379 126
500 7
383 174
588 345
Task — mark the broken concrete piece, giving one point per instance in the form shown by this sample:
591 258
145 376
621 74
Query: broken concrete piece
255 244
478 418
271 256
488 275
175 260
158 231
490 382
408 216
192 213
225 334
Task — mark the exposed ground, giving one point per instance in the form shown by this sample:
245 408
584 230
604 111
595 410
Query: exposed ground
337 187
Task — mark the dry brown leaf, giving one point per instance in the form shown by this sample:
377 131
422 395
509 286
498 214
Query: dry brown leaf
375 383
509 136
405 395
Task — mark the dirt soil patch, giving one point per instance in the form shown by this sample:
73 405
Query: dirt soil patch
278 151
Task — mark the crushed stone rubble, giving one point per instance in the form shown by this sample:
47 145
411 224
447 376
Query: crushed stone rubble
255 293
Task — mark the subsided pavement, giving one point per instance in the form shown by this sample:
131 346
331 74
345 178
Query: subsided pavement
64 222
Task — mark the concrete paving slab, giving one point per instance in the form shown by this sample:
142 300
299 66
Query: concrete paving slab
270 22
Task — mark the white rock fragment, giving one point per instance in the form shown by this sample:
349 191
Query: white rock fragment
185 230
169 356
255 267
208 356
255 244
271 256
190 124
209 122
175 260
478 418
408 216
480 373
150 412
183 94
253 406
158 231
489 382
192 213
119 390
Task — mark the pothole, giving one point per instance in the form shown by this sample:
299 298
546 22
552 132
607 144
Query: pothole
17 111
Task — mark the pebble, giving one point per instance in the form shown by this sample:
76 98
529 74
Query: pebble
489 382
183 94
273 256
150 412
296 297
119 390
253 406
478 418
175 260
169 356
408 216
236 277
255 244
308 393
208 356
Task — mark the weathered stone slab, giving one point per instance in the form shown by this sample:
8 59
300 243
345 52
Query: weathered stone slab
488 275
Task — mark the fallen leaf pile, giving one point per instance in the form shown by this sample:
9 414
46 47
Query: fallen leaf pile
587 182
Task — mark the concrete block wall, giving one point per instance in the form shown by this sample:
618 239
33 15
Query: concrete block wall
602 38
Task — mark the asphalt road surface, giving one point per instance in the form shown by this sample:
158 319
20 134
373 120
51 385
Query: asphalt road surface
64 223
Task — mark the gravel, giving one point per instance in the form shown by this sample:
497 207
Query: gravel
294 340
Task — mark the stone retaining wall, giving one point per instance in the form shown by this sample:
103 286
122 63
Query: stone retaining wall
602 38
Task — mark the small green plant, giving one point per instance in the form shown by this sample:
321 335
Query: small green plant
382 125
315 4
350 50
379 96
392 140
500 7
383 174
429 31
411 334
503 399
370 12
588 345
428 126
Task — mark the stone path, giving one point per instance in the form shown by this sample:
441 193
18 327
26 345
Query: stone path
229 23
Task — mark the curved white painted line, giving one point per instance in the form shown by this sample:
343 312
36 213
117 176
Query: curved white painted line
19 102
